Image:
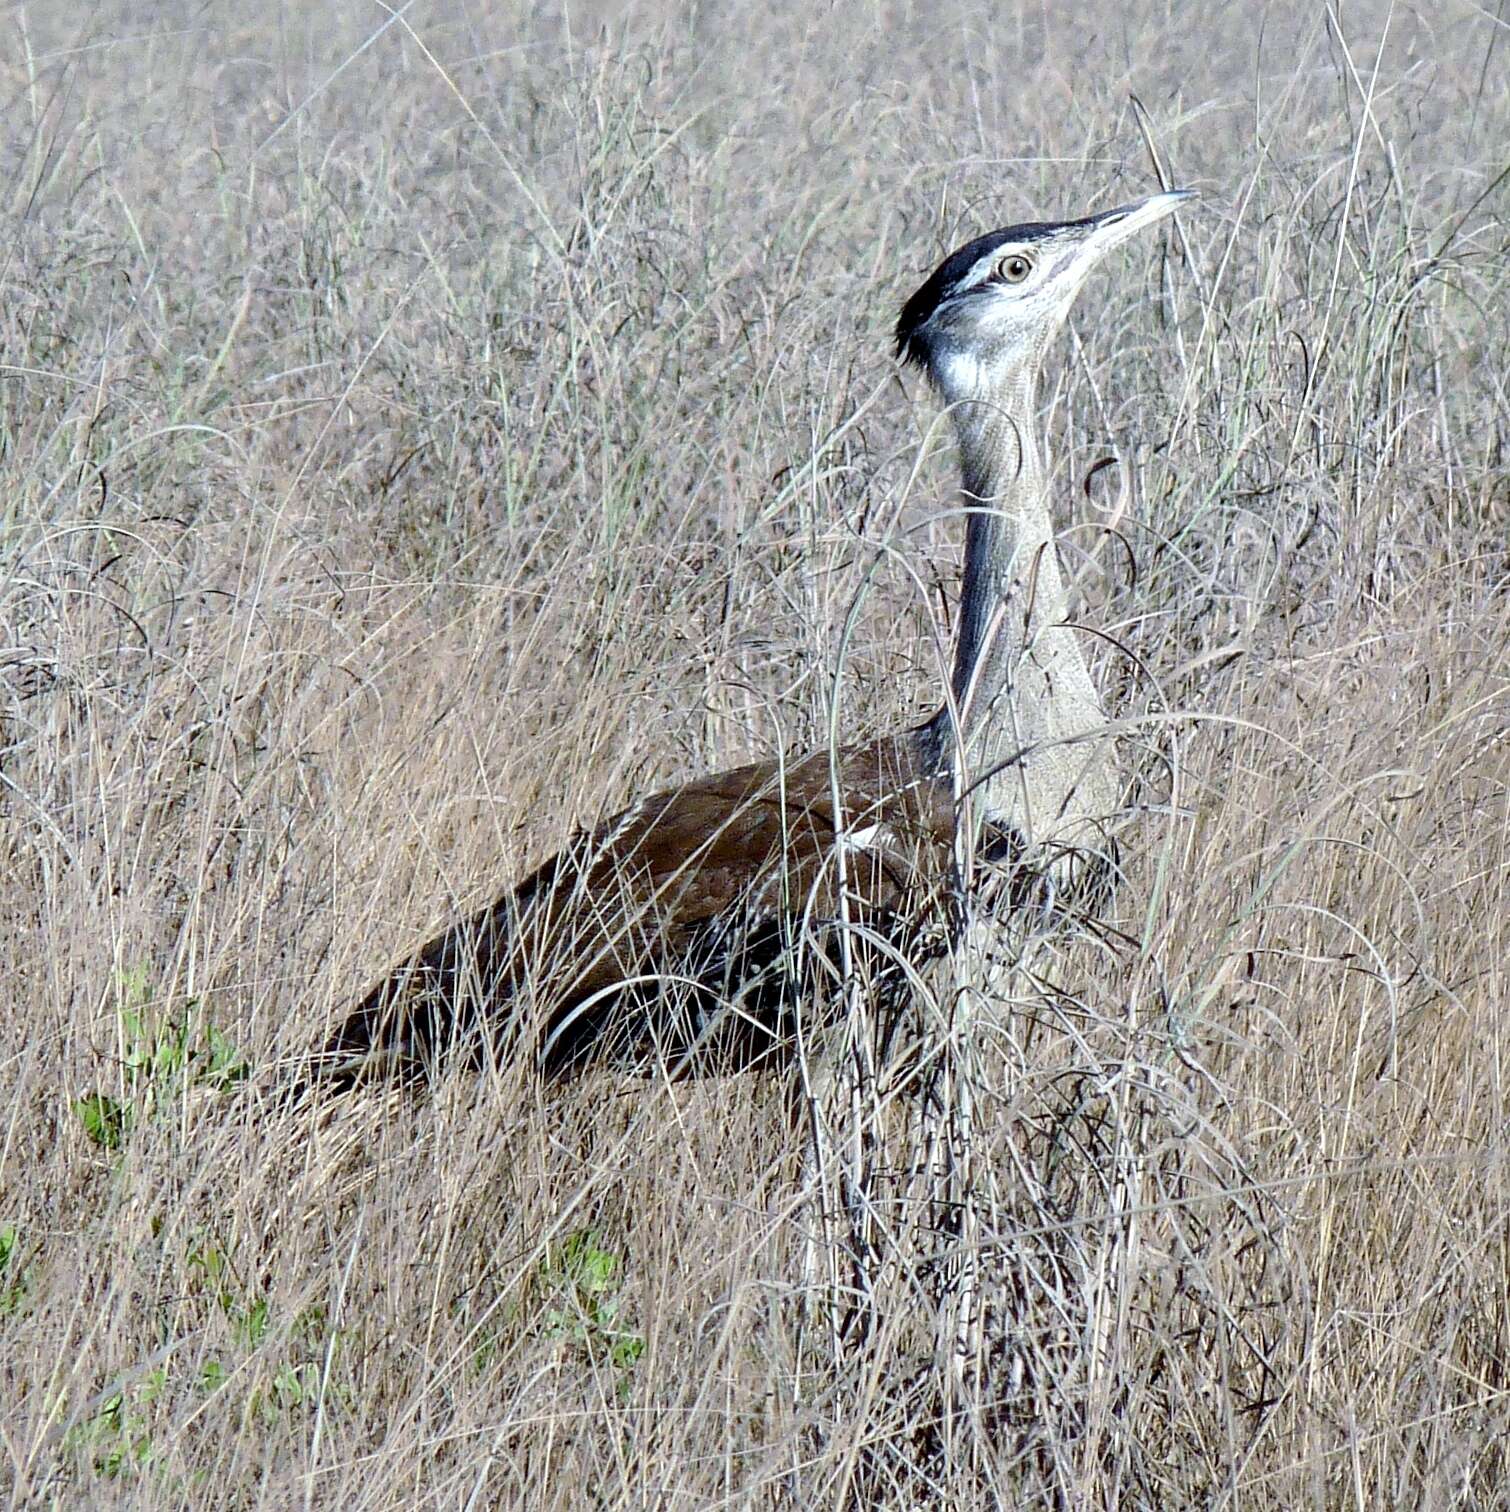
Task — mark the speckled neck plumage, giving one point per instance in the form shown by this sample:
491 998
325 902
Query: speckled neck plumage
1028 737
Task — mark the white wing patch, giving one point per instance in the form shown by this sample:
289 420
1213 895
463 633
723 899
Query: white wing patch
870 837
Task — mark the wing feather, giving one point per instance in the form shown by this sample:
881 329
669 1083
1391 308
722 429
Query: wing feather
706 884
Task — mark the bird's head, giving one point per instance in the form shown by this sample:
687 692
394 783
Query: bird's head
990 310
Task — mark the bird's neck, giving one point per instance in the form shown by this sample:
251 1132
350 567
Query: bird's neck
1011 583
1019 728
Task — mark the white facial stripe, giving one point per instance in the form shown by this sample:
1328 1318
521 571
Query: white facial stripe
982 271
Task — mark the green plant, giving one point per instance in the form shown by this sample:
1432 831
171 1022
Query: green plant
14 1281
162 1057
294 1382
584 1280
117 1438
106 1120
248 1318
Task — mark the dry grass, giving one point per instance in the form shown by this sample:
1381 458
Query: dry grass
412 450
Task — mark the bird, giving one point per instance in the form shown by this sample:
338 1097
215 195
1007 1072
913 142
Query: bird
708 928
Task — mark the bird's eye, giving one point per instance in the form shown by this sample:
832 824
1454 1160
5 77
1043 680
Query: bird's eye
1013 268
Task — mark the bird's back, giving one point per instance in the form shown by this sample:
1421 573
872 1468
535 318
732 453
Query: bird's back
689 931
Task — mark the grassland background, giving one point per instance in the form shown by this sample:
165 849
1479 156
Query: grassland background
422 430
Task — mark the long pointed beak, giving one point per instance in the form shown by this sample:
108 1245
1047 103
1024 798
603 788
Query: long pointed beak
1113 227
1109 230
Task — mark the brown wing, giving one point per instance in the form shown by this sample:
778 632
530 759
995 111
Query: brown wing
678 926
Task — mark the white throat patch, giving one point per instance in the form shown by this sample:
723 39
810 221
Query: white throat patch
959 375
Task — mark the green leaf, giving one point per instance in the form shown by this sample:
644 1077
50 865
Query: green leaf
106 1120
627 1349
138 1042
14 1281
170 1052
224 1063
288 1386
131 985
252 1324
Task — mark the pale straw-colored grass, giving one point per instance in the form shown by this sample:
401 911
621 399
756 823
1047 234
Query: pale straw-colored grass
419 435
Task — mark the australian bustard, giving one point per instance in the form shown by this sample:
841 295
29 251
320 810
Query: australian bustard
694 930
